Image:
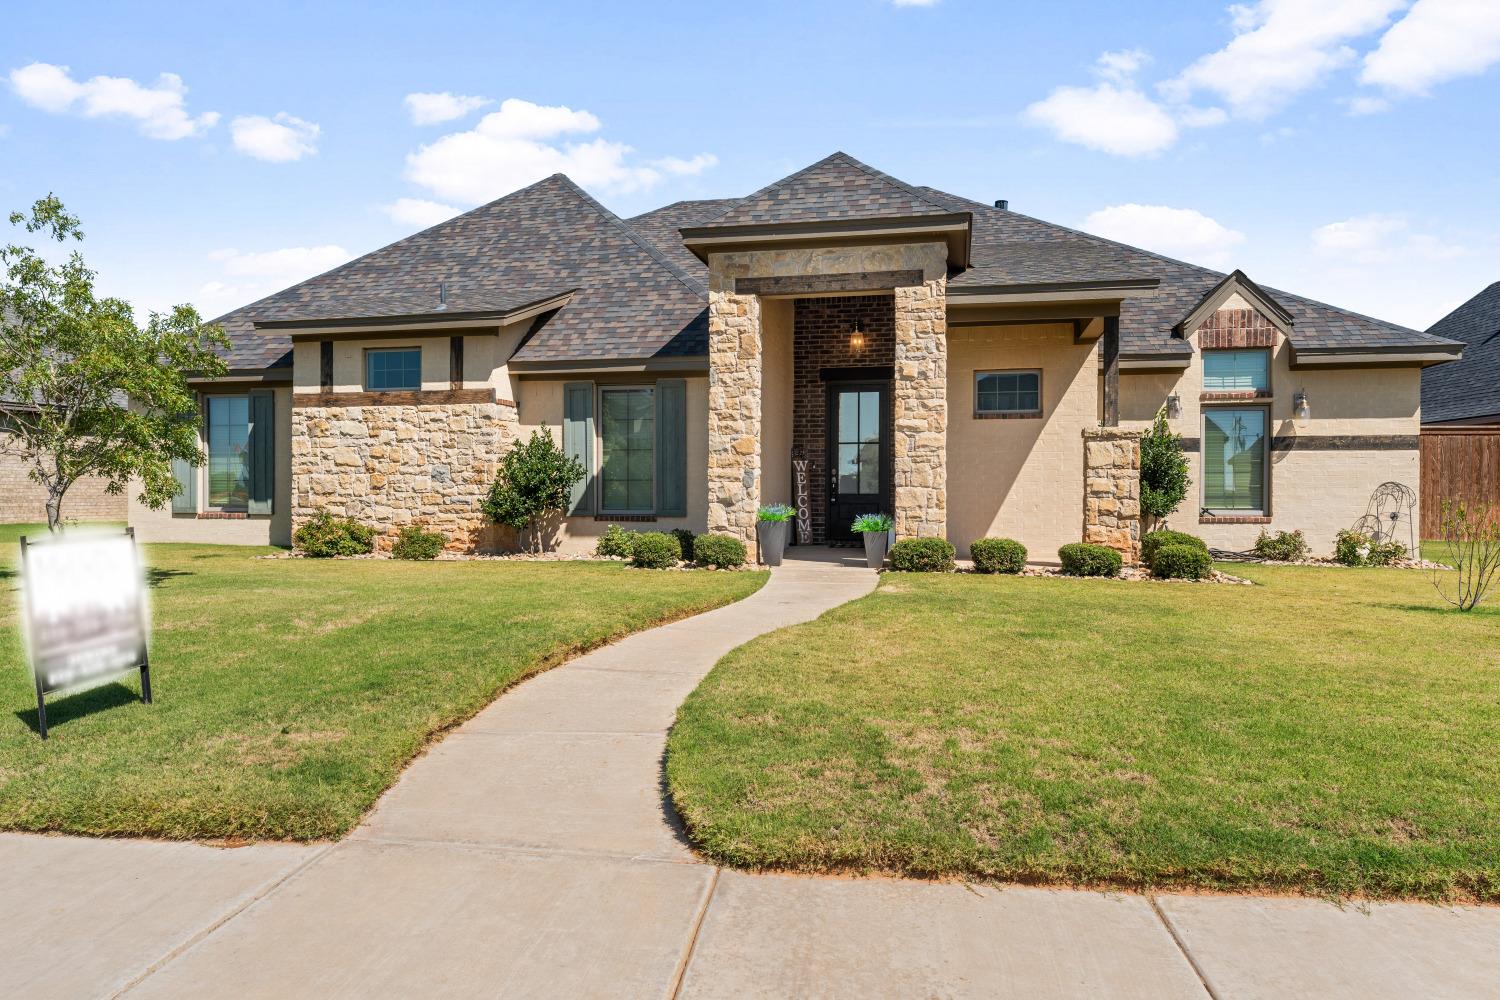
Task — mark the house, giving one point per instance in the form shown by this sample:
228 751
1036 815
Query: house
838 339
1468 392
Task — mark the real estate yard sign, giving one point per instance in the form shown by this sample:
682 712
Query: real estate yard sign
85 612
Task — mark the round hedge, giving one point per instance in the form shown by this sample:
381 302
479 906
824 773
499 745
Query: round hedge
1153 540
1181 562
718 551
1085 559
922 555
998 555
655 550
615 543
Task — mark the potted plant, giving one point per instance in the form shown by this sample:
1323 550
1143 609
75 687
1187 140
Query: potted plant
876 529
772 525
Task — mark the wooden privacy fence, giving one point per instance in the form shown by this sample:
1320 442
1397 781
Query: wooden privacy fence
1458 463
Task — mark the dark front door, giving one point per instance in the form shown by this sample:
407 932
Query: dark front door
859 454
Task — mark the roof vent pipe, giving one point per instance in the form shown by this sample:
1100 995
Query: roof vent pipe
1002 204
442 296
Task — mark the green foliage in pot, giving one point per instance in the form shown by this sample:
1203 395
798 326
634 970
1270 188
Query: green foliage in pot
922 555
718 551
873 522
414 542
655 550
998 555
775 513
1086 559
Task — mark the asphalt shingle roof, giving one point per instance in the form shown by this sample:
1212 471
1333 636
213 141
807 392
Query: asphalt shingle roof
638 292
1471 387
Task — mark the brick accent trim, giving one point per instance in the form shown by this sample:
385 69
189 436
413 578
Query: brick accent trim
423 397
1234 396
1008 416
1236 328
625 518
222 515
1233 519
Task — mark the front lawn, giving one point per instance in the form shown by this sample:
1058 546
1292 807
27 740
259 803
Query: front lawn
289 693
1329 731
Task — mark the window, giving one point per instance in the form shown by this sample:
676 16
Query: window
390 369
1236 371
228 452
627 430
859 442
1008 392
1234 461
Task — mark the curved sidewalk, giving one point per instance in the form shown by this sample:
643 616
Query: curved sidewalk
529 853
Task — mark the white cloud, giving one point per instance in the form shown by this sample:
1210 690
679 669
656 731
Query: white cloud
245 277
282 139
1367 105
432 109
158 110
1437 40
519 144
1122 65
419 211
1113 119
1177 232
1376 238
1280 49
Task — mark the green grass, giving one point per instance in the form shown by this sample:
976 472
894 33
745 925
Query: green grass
1331 731
289 693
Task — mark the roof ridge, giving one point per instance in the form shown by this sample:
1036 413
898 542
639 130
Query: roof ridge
1466 303
910 189
837 155
634 237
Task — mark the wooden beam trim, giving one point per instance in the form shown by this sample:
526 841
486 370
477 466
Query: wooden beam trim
425 397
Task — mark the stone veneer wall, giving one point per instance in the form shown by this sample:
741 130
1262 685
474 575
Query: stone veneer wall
920 410
1112 489
734 411
394 465
820 339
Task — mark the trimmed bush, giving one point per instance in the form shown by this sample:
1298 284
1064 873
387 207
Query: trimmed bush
1181 562
1153 540
1351 547
685 540
922 555
413 542
325 536
1284 546
998 555
655 550
1084 559
1385 553
718 551
615 543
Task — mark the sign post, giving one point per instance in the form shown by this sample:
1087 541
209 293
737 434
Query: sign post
85 614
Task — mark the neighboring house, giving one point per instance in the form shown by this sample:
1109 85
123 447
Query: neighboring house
24 501
969 369
1468 391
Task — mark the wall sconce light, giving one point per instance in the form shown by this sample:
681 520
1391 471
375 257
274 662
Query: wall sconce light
1301 410
857 337
1174 407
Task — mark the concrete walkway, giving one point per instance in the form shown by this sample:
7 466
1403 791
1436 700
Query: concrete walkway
529 854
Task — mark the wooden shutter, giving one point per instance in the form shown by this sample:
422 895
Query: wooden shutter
186 499
578 441
262 449
671 447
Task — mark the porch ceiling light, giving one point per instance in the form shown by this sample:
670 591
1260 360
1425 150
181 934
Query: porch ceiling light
1174 407
857 337
1300 409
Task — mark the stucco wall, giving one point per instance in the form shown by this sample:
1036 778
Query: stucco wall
777 404
23 501
1019 478
276 529
1318 490
541 403
485 355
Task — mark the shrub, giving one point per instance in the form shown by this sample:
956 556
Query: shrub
615 543
1164 469
1472 537
324 536
1385 553
1351 547
412 542
1181 562
533 486
685 540
774 513
1085 559
1153 540
1284 546
922 555
655 550
718 551
998 555
872 522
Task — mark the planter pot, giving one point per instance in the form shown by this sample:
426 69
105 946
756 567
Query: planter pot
772 536
876 543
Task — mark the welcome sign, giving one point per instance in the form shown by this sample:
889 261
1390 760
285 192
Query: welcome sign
85 613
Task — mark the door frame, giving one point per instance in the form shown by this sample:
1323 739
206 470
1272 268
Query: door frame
833 386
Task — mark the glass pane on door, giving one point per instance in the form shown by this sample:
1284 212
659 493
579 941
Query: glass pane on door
859 442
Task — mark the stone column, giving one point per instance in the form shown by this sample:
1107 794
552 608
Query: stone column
734 414
1112 489
920 405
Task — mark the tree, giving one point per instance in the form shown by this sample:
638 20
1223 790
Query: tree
1164 470
69 361
533 486
1472 537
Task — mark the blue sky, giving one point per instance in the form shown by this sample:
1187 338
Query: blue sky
1343 149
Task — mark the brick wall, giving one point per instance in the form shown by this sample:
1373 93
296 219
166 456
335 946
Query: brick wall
23 501
821 329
